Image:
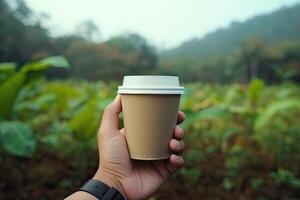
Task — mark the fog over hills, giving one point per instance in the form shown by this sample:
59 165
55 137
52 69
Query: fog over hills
274 27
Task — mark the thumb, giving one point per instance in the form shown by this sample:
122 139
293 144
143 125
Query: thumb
110 116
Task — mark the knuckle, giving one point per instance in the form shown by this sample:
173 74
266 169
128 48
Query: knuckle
180 129
180 132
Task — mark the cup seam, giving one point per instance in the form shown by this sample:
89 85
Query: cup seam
149 155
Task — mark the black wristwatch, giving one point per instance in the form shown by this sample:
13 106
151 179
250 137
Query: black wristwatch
101 190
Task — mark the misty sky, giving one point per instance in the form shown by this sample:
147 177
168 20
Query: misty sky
165 23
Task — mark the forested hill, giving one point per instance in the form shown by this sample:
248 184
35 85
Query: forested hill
280 25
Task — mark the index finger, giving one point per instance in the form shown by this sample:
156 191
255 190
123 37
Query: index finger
110 116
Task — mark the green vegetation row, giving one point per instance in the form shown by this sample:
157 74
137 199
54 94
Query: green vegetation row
242 140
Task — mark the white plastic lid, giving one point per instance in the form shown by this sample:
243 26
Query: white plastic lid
150 85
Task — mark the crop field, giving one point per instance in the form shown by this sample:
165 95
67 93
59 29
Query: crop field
241 140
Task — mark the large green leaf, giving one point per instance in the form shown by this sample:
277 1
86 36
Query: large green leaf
55 134
272 110
85 123
254 91
7 66
11 87
7 70
54 61
9 91
17 138
211 113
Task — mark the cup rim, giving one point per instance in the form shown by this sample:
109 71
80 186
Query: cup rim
150 84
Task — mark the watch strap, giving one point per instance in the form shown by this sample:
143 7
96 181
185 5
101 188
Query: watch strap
114 194
101 190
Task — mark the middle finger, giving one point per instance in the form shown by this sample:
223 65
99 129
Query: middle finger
178 133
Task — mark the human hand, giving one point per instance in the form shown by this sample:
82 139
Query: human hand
133 178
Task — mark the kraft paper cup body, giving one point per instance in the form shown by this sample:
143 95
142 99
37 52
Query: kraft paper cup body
149 120
150 113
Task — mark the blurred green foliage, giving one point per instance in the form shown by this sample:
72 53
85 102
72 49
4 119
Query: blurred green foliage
241 140
252 58
17 138
14 82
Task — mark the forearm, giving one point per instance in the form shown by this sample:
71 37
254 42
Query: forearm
81 195
104 178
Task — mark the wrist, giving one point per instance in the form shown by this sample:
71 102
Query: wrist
110 180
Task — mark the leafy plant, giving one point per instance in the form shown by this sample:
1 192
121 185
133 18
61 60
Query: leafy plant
191 174
17 138
211 113
276 109
12 86
283 176
227 184
231 144
254 91
6 70
85 123
256 183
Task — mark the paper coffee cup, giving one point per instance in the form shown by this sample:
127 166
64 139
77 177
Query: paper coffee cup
150 106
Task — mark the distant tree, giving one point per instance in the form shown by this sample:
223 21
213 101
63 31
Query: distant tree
111 60
19 41
20 10
141 57
63 43
88 30
250 55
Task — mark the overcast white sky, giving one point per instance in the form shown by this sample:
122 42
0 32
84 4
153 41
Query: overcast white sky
165 23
